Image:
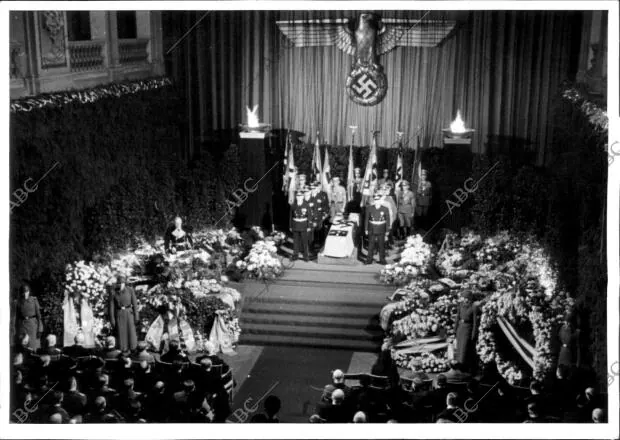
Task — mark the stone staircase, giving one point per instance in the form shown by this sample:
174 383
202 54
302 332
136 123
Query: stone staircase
316 305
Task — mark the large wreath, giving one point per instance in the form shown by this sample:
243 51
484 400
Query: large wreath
521 307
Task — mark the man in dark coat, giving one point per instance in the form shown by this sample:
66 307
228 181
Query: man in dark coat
27 317
377 222
74 401
466 326
300 225
124 315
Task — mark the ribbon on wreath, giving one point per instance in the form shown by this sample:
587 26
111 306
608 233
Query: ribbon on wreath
178 329
525 350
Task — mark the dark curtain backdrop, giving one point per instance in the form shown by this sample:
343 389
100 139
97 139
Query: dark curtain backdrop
499 68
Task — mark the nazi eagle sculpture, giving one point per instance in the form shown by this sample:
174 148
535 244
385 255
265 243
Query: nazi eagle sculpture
366 39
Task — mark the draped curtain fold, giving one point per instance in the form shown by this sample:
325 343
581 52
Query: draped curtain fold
499 68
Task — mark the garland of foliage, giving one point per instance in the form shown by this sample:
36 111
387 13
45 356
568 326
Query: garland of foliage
87 96
597 115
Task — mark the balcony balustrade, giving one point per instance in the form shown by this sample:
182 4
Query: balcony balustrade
86 55
133 51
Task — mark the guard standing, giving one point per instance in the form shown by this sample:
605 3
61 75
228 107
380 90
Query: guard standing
300 225
321 212
377 221
406 206
309 199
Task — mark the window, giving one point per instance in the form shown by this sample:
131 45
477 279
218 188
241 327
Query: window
126 24
78 25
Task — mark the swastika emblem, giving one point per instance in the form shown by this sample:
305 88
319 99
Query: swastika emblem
366 85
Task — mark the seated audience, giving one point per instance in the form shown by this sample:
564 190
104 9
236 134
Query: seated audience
110 352
359 417
174 353
142 353
338 382
272 406
145 376
452 412
55 406
158 403
50 346
325 401
74 401
77 349
338 411
598 416
534 413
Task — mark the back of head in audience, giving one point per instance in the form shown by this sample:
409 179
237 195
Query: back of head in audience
55 418
206 363
338 377
451 399
79 339
337 396
598 415
442 381
272 405
327 392
100 403
315 418
359 417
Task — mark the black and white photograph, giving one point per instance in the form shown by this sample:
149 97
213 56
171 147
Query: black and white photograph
319 213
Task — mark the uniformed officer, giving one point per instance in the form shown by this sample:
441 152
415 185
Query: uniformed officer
377 222
309 199
300 225
321 212
385 178
423 199
339 197
406 205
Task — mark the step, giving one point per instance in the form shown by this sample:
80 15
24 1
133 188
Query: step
332 276
303 320
292 311
307 341
314 332
315 306
293 289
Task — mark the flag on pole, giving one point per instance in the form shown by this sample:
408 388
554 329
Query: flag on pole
317 169
326 175
292 176
399 168
370 175
417 167
285 170
350 175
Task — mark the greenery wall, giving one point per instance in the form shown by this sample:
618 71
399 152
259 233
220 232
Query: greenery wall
122 173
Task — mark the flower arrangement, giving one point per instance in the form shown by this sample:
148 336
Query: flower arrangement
188 284
262 262
415 258
497 250
515 279
85 279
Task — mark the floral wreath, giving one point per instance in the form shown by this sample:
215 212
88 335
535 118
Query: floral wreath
526 305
